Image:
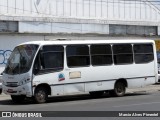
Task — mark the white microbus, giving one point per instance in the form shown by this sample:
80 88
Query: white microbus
40 69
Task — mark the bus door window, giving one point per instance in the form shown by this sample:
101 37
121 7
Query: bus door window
51 58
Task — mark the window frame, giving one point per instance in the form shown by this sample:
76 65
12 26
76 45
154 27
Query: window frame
38 59
132 54
152 53
91 55
89 58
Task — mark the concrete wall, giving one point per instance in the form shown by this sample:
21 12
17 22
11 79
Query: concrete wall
130 10
41 27
79 16
8 26
132 30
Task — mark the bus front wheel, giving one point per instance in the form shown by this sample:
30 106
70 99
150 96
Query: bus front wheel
18 98
119 90
41 95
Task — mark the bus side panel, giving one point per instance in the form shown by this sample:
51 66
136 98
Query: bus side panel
140 82
73 88
144 75
98 86
97 78
52 80
104 77
150 80
57 90
75 79
137 82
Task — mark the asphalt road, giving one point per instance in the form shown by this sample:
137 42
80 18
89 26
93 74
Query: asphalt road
130 102
139 101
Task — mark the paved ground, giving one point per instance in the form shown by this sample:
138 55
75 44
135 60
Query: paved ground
141 99
147 89
150 88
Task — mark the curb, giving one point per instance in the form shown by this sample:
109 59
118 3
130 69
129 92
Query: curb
150 89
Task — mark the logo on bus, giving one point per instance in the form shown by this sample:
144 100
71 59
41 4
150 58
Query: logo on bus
61 77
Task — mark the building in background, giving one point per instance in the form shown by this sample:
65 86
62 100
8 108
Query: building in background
27 20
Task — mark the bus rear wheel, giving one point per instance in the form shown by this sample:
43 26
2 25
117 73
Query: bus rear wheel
119 90
18 98
41 95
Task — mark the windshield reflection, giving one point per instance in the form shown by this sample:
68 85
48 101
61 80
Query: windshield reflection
21 59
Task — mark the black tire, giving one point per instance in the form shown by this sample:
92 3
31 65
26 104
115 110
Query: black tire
96 94
0 91
41 95
119 90
18 98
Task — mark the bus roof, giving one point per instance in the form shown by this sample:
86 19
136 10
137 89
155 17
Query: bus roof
73 42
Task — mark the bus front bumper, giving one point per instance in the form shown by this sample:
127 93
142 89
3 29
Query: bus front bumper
20 90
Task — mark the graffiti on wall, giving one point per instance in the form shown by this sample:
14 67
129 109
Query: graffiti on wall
4 55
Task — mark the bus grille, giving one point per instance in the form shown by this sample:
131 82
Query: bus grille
12 84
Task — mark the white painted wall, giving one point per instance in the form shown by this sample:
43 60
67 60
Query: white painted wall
133 10
41 27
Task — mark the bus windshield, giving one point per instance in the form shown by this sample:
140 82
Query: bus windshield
21 59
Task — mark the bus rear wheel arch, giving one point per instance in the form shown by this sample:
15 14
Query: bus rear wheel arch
41 93
119 88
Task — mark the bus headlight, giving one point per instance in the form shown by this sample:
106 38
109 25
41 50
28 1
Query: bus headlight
25 81
21 82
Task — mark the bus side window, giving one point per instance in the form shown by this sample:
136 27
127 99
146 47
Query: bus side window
123 54
52 60
143 53
101 55
78 55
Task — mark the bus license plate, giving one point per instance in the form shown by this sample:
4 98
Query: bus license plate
10 90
